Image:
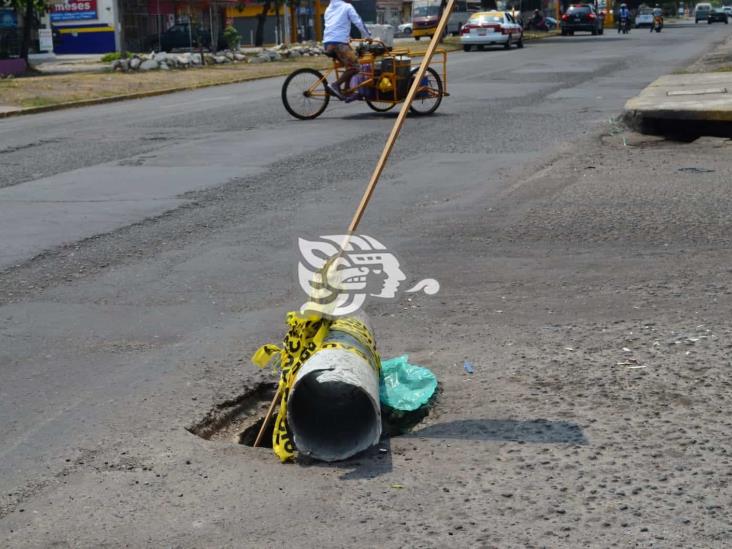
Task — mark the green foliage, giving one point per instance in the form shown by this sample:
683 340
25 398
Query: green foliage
39 6
109 57
232 37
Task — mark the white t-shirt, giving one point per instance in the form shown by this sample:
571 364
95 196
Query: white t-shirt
338 18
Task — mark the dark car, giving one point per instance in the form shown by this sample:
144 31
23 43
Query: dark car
717 15
581 17
702 11
179 37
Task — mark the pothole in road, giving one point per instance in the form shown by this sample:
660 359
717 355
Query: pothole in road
238 420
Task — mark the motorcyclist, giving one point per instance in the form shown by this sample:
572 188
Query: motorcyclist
657 17
623 16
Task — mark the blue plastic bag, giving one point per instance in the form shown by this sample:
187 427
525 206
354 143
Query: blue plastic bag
404 386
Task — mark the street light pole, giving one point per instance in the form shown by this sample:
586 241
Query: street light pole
160 24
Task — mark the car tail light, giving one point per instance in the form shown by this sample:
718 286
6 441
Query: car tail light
591 16
565 17
466 29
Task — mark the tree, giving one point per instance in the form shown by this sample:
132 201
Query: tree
32 10
261 20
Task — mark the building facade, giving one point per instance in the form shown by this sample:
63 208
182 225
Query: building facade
84 26
101 26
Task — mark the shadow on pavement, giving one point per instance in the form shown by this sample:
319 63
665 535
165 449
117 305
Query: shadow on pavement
389 114
370 463
506 430
377 461
585 38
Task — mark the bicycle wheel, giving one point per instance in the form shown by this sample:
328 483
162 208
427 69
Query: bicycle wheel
429 94
304 94
380 107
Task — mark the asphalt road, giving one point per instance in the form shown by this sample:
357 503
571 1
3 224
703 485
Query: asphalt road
149 247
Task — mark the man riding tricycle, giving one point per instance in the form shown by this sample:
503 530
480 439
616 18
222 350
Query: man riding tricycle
371 72
382 81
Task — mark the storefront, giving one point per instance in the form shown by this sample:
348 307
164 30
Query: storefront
9 33
11 37
83 26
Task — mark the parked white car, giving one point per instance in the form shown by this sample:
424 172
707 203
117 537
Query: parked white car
487 28
644 18
405 29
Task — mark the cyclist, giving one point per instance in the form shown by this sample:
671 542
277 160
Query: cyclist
338 18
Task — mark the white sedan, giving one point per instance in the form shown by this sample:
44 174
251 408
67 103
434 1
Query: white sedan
488 28
644 18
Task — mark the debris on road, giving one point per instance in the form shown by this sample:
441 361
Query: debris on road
406 387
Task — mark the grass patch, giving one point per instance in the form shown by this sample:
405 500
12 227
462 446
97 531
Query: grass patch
35 102
727 68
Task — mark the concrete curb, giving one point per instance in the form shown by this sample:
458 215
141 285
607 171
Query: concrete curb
698 103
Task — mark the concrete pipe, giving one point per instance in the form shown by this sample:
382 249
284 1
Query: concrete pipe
333 410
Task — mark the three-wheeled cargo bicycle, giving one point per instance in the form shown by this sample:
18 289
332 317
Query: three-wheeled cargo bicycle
382 82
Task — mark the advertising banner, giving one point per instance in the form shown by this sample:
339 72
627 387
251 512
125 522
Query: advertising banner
8 19
73 10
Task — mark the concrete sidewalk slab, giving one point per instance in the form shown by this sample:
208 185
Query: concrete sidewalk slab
697 97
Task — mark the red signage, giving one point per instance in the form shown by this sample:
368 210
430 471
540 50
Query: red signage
73 10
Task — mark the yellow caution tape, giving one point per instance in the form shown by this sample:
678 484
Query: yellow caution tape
305 336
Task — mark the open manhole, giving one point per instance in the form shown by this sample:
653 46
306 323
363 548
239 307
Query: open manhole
239 420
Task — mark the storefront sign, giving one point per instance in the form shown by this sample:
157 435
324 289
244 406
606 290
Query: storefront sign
74 10
8 19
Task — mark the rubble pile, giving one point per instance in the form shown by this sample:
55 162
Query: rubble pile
187 60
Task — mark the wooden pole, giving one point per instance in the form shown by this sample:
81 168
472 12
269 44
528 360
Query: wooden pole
368 193
267 418
400 119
